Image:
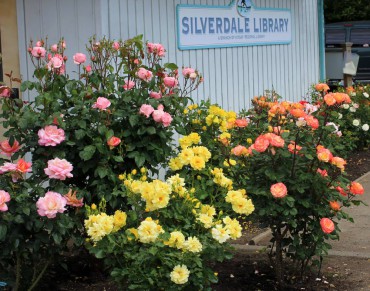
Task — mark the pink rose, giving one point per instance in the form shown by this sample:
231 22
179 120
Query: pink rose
55 62
116 45
5 91
51 135
39 43
64 45
187 71
4 197
144 74
278 190
38 52
193 76
51 204
136 61
327 225
146 110
166 119
155 95
239 150
157 114
8 167
88 68
241 122
156 48
261 144
129 85
8 150
79 58
54 48
170 82
113 142
101 103
59 169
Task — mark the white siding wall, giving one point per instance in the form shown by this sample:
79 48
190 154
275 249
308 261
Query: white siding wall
75 20
232 75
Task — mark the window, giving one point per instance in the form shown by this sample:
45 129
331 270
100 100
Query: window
335 37
360 36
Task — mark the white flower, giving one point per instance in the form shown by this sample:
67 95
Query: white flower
339 133
356 122
366 95
355 105
345 106
353 94
301 122
340 115
221 234
365 127
352 109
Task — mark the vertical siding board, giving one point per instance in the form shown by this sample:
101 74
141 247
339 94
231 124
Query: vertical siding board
114 19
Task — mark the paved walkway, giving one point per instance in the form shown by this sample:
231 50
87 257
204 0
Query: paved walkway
355 237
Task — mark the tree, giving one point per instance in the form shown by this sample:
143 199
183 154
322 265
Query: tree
346 10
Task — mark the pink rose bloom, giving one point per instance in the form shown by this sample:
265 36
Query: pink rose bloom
144 74
136 61
88 68
38 52
101 103
116 45
241 122
79 58
54 48
4 197
5 91
156 48
38 43
261 144
170 82
278 190
187 71
8 150
51 204
8 167
129 85
113 142
193 76
51 135
157 114
55 62
155 95
59 169
146 110
166 119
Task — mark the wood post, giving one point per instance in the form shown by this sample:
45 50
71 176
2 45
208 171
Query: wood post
347 79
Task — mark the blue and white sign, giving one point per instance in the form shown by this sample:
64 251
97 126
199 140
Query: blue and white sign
239 24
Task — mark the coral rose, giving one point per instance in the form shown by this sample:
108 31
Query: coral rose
239 150
312 121
155 95
72 199
113 142
23 166
329 99
356 188
51 135
275 140
59 169
278 190
334 205
101 103
51 204
144 74
241 122
261 144
341 191
322 87
4 198
327 225
339 162
8 150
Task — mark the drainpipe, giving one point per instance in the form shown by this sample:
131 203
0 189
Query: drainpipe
321 32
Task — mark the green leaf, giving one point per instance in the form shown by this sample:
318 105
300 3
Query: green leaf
3 231
151 130
118 159
139 160
87 152
134 120
102 172
170 66
80 133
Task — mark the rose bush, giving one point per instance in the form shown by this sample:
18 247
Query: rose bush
78 135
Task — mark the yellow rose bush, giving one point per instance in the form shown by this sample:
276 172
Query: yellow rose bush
173 229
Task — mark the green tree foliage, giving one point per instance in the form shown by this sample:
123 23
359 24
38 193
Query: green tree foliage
346 10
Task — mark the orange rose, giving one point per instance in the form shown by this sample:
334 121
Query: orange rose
324 155
261 144
297 113
339 97
322 87
356 188
23 166
239 151
72 199
241 122
278 190
275 140
294 148
323 173
327 225
334 205
341 191
113 142
312 121
339 162
329 99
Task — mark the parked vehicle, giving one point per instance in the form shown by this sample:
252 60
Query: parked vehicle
336 35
